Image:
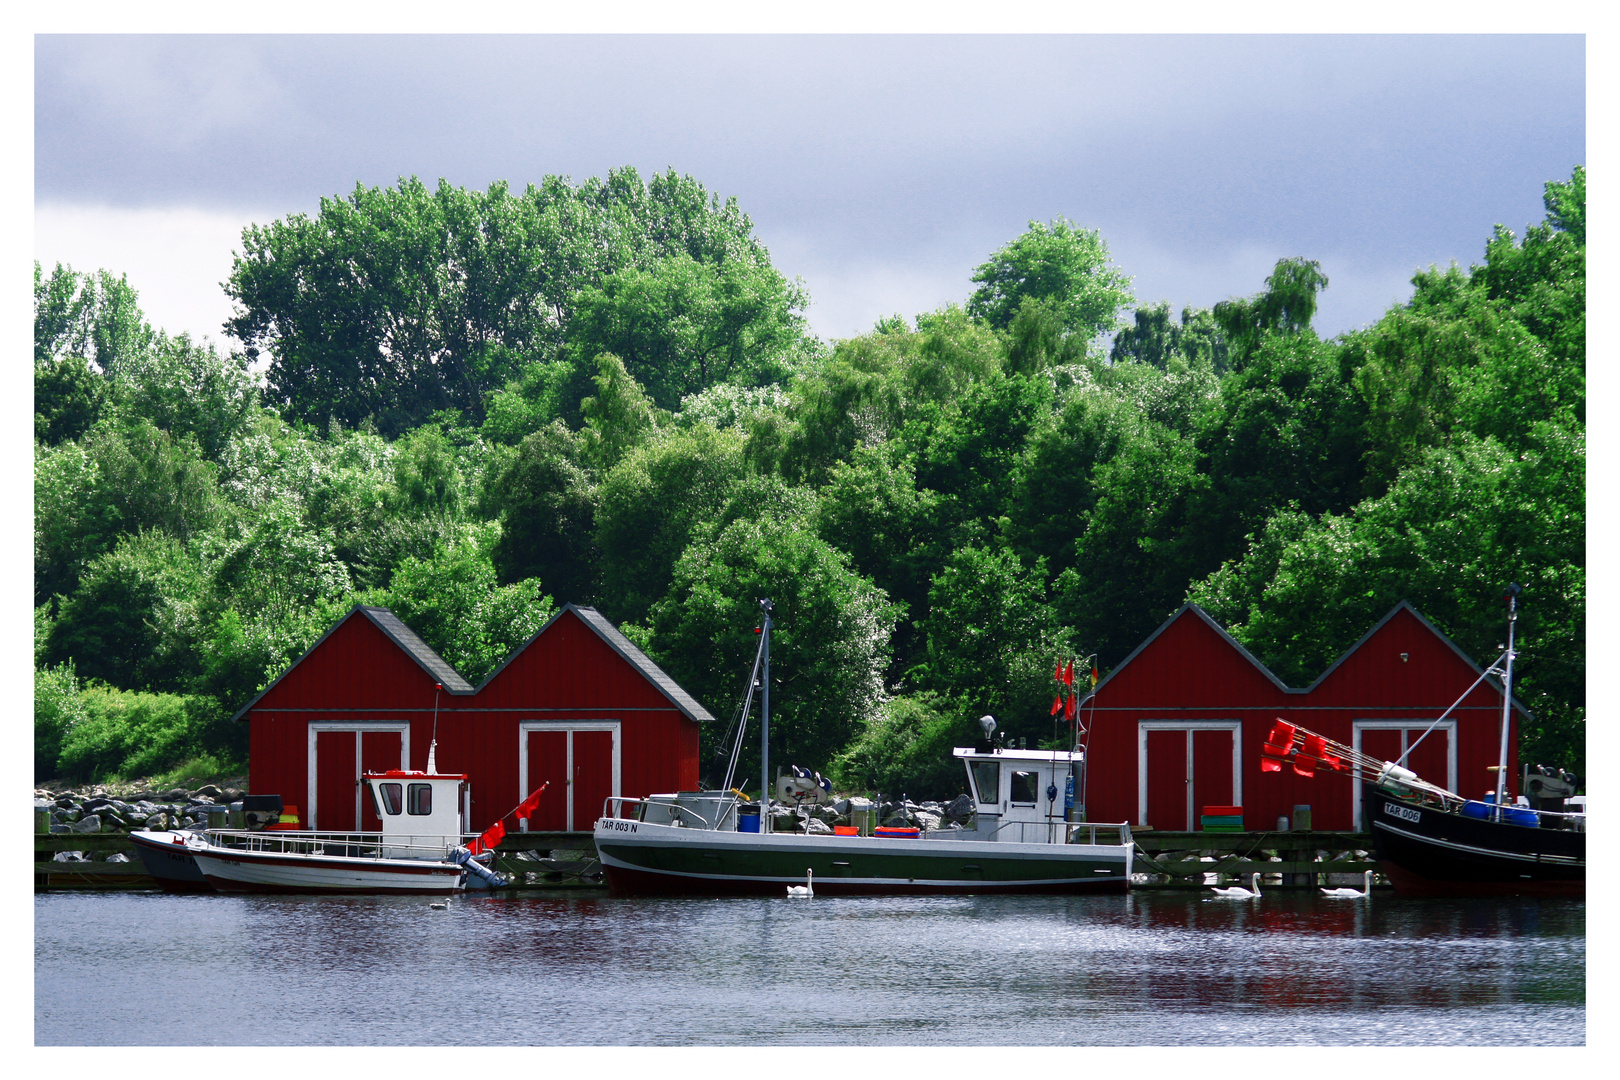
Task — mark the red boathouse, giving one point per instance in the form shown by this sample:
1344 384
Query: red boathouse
578 705
1179 724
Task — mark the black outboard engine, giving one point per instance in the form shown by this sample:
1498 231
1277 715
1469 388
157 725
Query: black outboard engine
1546 788
261 810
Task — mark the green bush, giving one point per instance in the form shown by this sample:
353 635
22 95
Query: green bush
57 710
126 733
907 750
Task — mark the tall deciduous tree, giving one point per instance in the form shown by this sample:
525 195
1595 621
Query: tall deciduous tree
1060 263
397 303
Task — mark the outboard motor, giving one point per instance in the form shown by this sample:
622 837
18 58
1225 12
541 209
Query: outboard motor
1546 788
479 876
261 810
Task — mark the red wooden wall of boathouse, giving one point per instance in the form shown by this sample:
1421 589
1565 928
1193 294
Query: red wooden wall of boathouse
1179 724
577 705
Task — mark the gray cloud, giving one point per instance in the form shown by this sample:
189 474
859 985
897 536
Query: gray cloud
871 160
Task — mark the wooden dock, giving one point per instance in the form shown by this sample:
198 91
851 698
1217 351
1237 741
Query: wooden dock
1179 860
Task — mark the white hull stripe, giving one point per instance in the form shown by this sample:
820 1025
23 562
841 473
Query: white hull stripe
977 883
1567 860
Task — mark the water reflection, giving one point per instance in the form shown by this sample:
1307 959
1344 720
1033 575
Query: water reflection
1145 968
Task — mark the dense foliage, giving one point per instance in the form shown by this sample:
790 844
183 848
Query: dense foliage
473 406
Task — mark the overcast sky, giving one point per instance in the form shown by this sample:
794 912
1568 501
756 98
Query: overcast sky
880 170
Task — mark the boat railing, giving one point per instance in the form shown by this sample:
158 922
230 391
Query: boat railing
349 845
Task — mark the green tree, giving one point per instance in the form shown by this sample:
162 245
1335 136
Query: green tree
619 417
398 303
453 602
906 749
682 326
828 653
546 500
1154 339
94 317
1448 535
188 389
651 506
1058 262
991 639
132 621
1286 307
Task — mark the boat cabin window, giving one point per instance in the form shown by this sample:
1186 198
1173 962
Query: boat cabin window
421 799
1024 786
985 777
391 797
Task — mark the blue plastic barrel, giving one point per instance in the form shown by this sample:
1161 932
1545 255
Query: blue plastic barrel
748 823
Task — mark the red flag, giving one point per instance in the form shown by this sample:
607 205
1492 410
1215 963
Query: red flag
1057 703
493 835
528 806
1280 739
1094 676
1068 674
1057 672
1069 714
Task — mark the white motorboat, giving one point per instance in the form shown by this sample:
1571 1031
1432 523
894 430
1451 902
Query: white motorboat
420 848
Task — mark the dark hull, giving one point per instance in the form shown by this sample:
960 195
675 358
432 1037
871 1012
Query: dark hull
641 859
625 882
170 865
1430 852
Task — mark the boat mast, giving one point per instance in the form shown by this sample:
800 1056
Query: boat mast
1507 701
765 721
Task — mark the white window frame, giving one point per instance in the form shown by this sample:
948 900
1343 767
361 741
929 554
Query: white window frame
402 727
1145 726
1358 726
568 727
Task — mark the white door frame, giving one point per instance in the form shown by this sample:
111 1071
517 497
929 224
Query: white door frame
1145 726
568 727
403 727
1358 726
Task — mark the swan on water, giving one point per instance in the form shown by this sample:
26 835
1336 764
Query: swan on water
1353 894
1238 892
804 890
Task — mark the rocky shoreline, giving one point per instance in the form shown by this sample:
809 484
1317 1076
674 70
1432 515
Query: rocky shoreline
97 811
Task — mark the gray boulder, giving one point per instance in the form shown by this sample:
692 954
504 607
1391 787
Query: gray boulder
817 827
90 823
959 809
69 856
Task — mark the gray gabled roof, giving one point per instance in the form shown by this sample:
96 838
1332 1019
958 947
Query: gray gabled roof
400 634
406 638
625 648
1284 687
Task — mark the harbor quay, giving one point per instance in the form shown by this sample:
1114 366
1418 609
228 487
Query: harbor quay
81 842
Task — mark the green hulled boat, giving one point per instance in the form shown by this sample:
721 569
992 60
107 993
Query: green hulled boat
698 842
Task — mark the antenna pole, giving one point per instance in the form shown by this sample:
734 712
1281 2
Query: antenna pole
765 722
433 743
1507 701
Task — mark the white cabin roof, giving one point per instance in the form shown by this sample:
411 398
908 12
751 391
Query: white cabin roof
1045 757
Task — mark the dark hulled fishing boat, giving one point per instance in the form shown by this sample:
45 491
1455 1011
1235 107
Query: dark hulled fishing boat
1438 847
1430 841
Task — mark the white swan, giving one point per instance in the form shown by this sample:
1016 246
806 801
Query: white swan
804 890
1238 892
1353 894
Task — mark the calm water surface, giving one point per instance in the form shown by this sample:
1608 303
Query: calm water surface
1151 968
